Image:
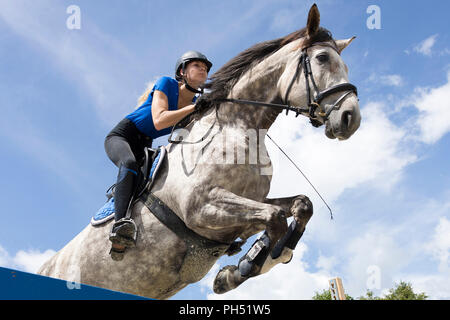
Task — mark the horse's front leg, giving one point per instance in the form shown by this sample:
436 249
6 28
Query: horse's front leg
300 207
224 216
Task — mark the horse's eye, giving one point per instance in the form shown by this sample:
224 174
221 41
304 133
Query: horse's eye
322 58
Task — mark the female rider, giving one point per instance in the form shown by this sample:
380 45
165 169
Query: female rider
169 101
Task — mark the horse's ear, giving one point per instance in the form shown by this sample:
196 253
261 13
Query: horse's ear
313 21
342 44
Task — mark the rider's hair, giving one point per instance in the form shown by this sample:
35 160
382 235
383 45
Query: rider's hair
144 96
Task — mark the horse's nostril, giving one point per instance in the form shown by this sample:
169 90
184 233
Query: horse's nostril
346 119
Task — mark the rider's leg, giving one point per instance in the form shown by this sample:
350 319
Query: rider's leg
123 233
124 190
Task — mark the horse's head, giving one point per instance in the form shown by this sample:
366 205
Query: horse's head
331 99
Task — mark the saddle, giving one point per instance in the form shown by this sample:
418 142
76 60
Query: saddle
149 166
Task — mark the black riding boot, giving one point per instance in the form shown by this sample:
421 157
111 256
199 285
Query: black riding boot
124 230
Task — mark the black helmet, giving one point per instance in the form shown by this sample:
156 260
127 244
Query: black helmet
188 57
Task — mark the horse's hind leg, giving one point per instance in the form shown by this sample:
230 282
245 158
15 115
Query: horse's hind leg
301 208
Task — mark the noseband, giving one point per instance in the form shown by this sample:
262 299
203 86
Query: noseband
314 103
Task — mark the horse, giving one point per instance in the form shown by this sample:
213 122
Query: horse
220 201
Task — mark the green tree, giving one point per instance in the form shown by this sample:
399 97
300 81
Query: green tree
404 291
326 295
401 291
369 296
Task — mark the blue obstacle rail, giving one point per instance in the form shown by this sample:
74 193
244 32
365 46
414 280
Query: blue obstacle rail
18 285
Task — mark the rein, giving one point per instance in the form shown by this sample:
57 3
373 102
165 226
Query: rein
314 103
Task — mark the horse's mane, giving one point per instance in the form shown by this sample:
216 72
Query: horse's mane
226 77
223 80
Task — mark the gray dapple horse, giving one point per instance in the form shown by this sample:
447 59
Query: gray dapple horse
217 199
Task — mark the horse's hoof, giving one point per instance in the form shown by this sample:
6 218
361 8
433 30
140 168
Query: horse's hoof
224 280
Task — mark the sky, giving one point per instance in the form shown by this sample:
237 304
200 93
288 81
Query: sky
62 89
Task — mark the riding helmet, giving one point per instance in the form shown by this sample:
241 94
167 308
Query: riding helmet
189 57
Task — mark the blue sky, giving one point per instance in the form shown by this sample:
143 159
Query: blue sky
62 90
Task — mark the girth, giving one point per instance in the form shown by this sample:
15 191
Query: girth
169 218
201 252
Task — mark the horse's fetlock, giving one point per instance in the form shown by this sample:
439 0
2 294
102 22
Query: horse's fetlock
277 224
302 209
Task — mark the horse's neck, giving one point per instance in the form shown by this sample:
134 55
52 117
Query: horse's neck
257 84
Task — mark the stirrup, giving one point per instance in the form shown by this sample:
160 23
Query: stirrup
124 232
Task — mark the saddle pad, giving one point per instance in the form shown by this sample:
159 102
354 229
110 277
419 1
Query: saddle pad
106 212
157 163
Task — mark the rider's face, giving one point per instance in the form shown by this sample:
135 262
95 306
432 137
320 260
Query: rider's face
196 72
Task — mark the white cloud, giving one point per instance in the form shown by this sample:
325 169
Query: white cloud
88 57
435 284
378 248
326 263
25 260
444 52
426 45
5 260
32 260
375 155
393 80
433 105
439 246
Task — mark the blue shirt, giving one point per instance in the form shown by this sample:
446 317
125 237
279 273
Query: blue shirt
142 116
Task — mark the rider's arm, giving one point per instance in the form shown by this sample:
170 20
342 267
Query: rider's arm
162 117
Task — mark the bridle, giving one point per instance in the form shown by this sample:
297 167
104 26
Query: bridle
314 103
